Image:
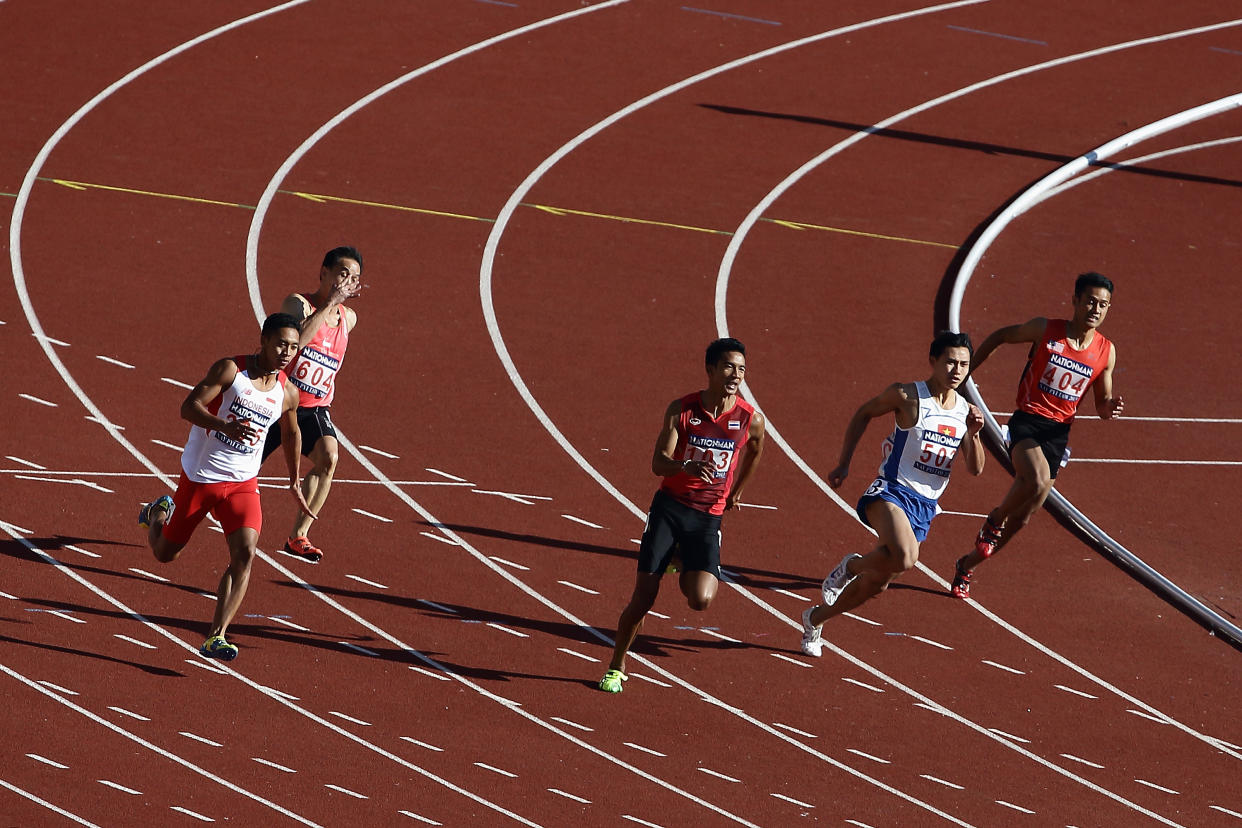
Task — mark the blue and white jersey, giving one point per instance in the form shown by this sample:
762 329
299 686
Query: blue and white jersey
921 457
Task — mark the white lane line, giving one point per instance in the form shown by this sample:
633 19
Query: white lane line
720 635
505 629
358 649
929 641
38 400
439 538
1075 692
1081 761
76 481
1003 667
1138 462
864 685
373 516
572 724
150 575
431 673
645 749
494 769
659 615
1225 811
179 809
272 764
187 734
414 741
579 799
857 823
717 774
286 622
346 791
135 641
16 528
177 383
572 585
167 445
864 620
1147 716
641 821
29 463
349 718
423 819
1158 787
1009 736
940 781
205 665
790 594
436 606
445 474
101 422
82 551
1015 807
47 761
58 688
65 616
577 654
797 802
113 361
10 597
61 811
868 756
280 693
583 522
129 713
374 450
524 499
362 580
119 787
791 660
509 564
793 729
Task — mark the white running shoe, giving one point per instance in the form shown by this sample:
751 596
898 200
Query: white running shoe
812 644
838 580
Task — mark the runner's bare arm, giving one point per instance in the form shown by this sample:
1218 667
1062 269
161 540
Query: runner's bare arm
292 443
194 408
893 398
663 463
1010 334
1106 405
750 459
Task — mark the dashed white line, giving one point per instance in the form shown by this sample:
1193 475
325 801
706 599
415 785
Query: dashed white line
374 450
658 615
58 688
439 538
113 361
373 516
793 729
572 585
65 616
129 713
641 821
791 660
95 419
433 674
718 774
505 629
940 781
187 734
10 597
190 813
205 665
177 383
44 337
494 769
863 684
583 522
357 648
1075 692
286 622
577 654
350 718
346 791
857 823
48 403
1080 760
119 787
860 618
929 641
82 551
1225 811
1010 736
413 815
510 564
1015 807
868 756
47 761
29 463
791 595
362 580
1003 667
1147 716
447 475
135 641
572 724
414 741
559 792
150 575
272 764
280 693
524 499
797 802
167 445
1158 787
645 749
721 636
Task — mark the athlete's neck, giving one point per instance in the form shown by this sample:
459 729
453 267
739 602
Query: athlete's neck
944 396
716 403
260 367
1079 333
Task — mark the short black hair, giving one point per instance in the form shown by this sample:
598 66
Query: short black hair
279 321
1091 279
950 339
334 256
720 347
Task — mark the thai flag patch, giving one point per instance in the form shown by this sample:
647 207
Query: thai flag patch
735 424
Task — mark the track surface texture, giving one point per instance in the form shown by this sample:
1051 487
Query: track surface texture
559 204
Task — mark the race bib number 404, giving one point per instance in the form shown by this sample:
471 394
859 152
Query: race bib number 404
1064 378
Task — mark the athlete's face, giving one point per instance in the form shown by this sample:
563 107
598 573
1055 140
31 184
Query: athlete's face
1091 306
951 367
346 273
280 348
728 373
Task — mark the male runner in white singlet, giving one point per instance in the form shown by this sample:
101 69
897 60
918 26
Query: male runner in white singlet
230 412
933 424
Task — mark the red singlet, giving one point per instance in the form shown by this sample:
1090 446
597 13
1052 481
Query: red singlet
719 441
1056 375
314 369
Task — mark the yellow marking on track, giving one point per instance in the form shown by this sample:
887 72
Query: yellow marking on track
82 185
561 211
801 225
401 207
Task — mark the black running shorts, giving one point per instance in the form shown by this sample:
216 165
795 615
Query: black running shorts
673 526
314 423
1051 436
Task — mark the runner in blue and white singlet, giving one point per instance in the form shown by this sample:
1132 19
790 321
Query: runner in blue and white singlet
921 457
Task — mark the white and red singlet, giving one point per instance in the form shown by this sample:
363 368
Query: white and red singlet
314 369
211 456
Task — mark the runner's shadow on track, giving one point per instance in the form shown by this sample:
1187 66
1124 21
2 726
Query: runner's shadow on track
146 668
749 576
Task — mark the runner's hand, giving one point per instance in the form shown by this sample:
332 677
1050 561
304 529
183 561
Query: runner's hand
701 469
837 476
346 287
296 489
1112 408
974 420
